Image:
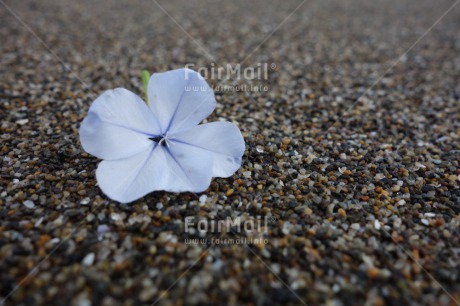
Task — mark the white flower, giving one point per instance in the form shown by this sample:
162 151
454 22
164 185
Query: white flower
160 146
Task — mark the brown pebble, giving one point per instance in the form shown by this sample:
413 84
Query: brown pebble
43 240
378 189
373 272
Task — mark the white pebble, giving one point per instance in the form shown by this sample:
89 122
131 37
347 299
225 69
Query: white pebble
247 173
286 228
89 259
377 224
430 215
115 217
401 202
355 226
29 204
54 240
22 121
203 198
85 201
441 139
425 222
217 265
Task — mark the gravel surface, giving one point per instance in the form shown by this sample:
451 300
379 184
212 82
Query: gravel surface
363 200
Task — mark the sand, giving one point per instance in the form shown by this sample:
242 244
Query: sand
359 186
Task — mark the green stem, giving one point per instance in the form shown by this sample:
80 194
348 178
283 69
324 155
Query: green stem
145 76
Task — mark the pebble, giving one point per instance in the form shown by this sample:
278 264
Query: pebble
428 188
29 204
286 140
425 222
446 233
203 199
85 201
88 260
373 272
103 228
22 121
355 226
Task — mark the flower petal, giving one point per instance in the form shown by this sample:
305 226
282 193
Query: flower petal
128 179
118 125
176 169
191 168
180 99
222 139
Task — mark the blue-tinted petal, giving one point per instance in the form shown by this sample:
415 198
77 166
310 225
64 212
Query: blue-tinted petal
222 139
180 99
177 168
118 125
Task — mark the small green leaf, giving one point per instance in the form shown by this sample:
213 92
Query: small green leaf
145 75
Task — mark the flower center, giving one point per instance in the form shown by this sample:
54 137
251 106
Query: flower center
161 139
